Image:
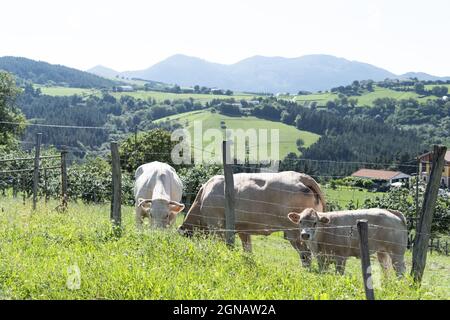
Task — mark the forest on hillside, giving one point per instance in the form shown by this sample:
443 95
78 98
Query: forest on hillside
27 70
347 133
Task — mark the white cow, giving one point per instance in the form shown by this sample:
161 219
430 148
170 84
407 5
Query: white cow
157 191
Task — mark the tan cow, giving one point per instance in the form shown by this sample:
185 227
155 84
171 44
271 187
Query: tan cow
262 202
333 236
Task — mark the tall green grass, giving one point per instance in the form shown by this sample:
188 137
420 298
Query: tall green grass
40 250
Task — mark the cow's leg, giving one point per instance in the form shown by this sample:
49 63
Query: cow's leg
340 264
398 262
246 241
322 262
303 251
139 217
383 259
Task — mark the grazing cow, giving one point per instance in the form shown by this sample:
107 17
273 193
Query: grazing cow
158 191
334 236
262 202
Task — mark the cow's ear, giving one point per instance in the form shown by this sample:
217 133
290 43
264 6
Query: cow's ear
294 217
176 207
324 219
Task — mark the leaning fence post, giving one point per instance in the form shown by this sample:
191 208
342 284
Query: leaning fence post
45 186
363 230
64 196
116 214
423 226
37 152
229 194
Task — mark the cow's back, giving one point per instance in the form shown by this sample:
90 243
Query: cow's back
157 179
262 200
387 231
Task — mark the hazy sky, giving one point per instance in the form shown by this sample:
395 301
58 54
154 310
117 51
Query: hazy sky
399 35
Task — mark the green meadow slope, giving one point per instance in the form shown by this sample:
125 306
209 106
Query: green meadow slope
288 135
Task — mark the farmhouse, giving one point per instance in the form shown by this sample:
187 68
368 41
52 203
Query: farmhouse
382 176
425 168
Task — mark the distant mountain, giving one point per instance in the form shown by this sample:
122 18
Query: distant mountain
263 74
103 72
43 73
423 76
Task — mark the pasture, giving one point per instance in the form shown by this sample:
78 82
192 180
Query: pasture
161 96
344 195
75 255
67 91
288 135
141 94
365 99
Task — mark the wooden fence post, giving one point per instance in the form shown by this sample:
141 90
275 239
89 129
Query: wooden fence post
37 154
15 187
24 195
423 226
135 137
45 186
116 201
64 196
229 194
363 230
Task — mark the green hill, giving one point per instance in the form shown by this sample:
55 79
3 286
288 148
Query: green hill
288 135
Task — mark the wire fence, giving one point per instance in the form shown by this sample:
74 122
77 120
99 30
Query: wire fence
338 197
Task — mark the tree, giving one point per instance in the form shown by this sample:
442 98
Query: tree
154 145
300 145
439 91
419 88
8 112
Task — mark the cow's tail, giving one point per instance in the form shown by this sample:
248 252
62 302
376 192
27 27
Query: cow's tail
314 186
398 214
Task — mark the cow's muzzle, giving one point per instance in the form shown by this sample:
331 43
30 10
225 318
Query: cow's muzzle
305 236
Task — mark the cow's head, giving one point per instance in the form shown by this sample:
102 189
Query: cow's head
162 212
307 221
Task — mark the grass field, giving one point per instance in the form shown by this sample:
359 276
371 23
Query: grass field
345 195
288 135
320 98
50 255
161 96
144 95
64 91
365 99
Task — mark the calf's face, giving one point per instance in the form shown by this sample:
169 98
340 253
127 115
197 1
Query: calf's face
307 221
162 212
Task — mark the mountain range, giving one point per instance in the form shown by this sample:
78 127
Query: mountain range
263 74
